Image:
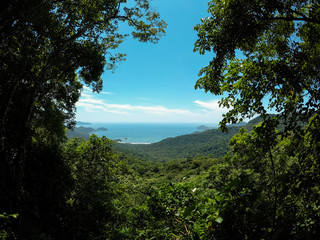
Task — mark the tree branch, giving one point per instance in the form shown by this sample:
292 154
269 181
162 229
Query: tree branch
295 19
302 17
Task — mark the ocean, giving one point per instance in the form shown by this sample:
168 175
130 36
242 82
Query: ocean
144 133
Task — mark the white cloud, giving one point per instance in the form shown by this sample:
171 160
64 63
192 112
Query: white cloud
107 93
89 107
86 89
211 105
92 105
161 110
90 100
92 109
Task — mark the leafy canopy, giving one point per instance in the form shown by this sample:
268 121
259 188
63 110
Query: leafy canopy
264 50
49 49
46 47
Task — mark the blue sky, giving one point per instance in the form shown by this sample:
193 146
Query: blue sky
156 82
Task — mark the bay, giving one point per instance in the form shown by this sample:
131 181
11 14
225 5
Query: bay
144 133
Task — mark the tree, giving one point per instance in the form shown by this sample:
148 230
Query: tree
264 50
270 185
268 50
47 47
95 170
48 51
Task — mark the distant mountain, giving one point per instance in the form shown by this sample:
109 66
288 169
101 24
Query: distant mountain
255 121
202 128
281 127
101 129
205 128
207 142
241 124
83 132
80 132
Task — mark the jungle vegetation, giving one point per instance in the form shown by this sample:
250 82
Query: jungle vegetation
267 185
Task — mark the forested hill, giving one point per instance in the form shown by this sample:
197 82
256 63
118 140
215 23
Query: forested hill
83 132
212 142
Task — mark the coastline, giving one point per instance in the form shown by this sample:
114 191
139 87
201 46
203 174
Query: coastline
145 134
134 143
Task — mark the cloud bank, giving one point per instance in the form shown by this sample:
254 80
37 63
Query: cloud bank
93 109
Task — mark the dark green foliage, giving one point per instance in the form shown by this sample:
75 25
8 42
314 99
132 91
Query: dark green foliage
279 42
266 187
94 170
46 182
263 188
48 51
46 185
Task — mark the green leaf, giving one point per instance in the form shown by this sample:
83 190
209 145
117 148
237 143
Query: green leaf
219 219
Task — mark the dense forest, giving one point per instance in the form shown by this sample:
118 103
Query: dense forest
261 182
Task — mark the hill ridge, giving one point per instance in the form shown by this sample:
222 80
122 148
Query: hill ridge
212 142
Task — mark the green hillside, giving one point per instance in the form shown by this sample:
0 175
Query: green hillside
212 142
83 132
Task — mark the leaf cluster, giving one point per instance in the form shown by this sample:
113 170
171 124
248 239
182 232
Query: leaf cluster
264 51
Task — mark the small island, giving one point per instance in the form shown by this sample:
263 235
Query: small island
203 128
101 129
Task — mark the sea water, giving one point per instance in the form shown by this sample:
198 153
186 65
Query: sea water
144 133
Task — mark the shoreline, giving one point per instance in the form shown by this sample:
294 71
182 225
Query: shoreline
134 143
